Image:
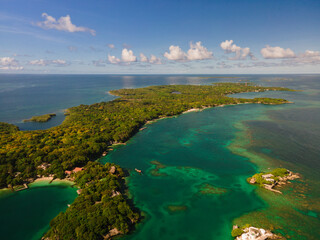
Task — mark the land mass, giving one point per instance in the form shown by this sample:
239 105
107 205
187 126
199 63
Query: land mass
86 134
42 118
272 179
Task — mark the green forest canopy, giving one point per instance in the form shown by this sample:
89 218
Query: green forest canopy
90 129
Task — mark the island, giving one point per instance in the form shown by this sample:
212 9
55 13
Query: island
102 209
42 118
269 180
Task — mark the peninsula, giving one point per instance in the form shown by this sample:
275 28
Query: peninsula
86 134
42 118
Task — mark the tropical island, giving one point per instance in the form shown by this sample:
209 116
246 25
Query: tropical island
42 118
276 177
86 134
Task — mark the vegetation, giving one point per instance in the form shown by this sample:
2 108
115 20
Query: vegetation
236 232
278 172
42 118
99 208
85 134
89 129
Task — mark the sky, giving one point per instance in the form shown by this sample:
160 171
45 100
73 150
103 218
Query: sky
160 37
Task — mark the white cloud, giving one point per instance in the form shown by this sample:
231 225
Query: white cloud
240 53
111 46
307 58
127 56
8 63
198 52
143 58
62 24
310 53
175 53
42 62
113 59
155 60
277 52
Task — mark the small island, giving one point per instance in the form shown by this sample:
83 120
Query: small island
42 118
269 180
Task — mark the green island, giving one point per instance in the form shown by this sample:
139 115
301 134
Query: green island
85 135
276 177
42 118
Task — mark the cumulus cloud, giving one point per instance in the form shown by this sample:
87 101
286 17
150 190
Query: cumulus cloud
309 57
62 24
143 58
113 59
277 52
42 62
153 59
175 53
8 63
111 46
127 56
196 52
240 53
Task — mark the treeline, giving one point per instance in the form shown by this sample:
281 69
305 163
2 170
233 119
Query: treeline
100 208
89 129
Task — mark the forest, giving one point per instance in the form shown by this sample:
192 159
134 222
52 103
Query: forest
101 207
88 130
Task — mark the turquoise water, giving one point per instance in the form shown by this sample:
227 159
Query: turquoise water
193 148
26 214
193 186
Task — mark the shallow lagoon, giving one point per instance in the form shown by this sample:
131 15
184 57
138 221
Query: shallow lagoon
26 214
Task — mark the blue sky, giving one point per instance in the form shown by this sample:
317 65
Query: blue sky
134 36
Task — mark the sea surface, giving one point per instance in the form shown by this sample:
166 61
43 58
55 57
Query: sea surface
194 166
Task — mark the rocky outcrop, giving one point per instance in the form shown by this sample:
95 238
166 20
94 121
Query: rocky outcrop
113 170
112 232
253 233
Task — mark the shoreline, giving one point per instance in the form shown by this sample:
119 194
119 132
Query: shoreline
51 180
40 182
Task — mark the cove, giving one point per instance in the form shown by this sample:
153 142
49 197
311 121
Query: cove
26 214
192 185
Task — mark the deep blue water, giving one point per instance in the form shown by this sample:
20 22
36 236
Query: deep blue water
23 95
